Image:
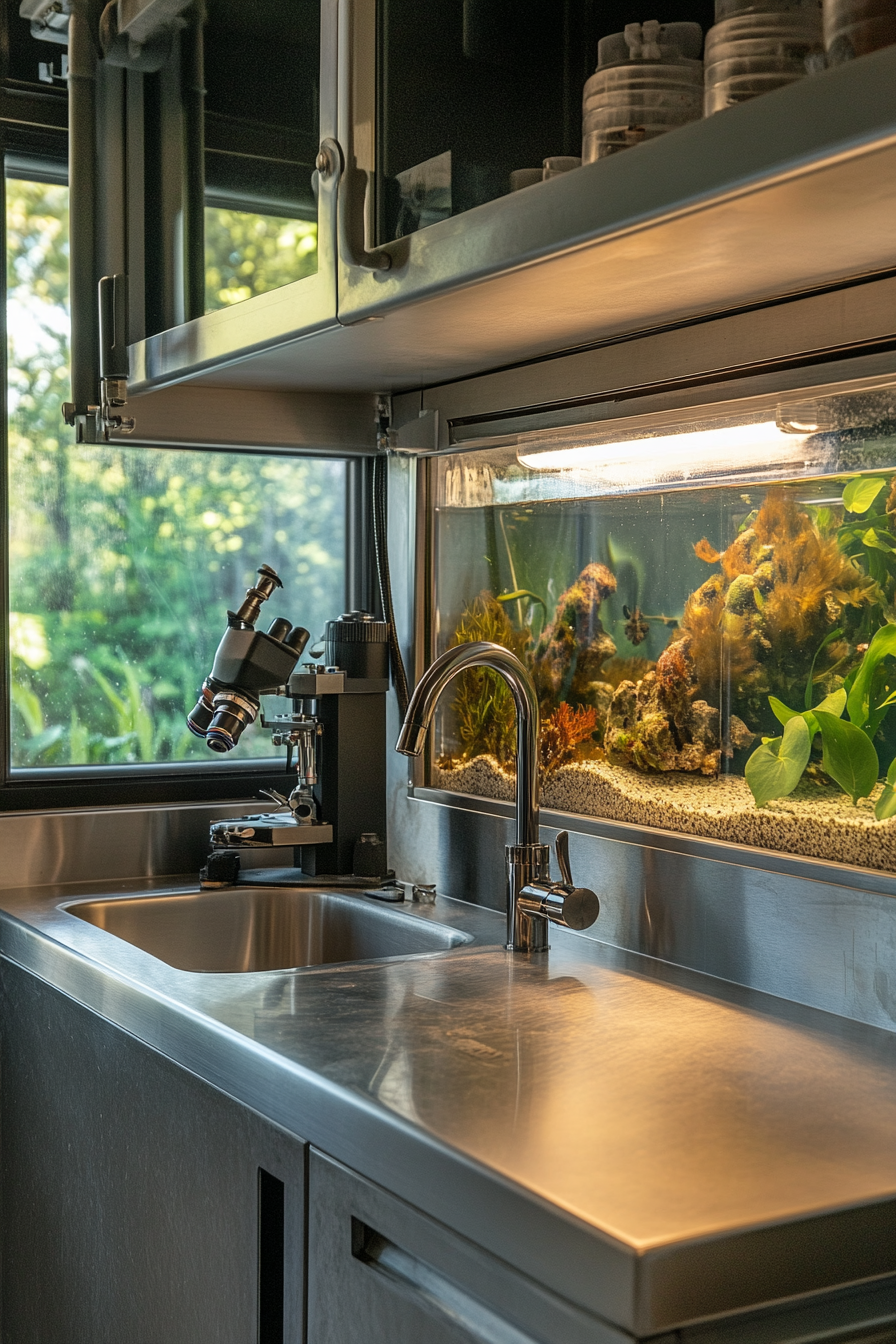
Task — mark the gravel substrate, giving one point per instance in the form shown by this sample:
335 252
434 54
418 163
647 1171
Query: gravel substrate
814 821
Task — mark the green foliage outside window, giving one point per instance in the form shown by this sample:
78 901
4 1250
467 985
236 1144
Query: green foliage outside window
123 560
249 254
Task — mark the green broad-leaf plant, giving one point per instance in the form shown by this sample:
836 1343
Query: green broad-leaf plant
849 756
848 752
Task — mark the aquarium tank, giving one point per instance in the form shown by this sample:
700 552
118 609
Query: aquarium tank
706 603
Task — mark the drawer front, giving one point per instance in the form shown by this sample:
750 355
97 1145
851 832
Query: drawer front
380 1272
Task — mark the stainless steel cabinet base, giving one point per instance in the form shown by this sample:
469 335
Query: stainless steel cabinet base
380 1272
133 1207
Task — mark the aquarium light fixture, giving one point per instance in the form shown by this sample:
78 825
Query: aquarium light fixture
675 457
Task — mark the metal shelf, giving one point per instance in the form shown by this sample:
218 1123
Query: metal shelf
792 192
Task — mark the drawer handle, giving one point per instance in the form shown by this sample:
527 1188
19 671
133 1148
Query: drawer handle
271 1258
432 1290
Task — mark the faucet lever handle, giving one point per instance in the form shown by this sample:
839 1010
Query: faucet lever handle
561 847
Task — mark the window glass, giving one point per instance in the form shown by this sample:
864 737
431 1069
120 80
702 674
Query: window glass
248 254
123 560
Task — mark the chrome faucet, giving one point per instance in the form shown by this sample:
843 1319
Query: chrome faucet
533 900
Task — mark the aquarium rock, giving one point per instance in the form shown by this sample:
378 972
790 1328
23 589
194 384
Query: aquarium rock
569 655
644 730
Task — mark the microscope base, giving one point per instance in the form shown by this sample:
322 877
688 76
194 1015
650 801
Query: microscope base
294 877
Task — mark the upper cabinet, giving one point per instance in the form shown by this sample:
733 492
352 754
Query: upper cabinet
264 251
432 153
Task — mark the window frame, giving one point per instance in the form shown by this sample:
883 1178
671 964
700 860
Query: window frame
140 784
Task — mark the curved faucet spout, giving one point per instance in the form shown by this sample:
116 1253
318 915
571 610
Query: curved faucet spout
533 900
506 664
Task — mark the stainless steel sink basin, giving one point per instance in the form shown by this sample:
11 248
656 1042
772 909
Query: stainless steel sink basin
265 928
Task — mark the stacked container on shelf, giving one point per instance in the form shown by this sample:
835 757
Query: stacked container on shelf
649 79
856 27
756 46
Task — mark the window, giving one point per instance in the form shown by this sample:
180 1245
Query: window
248 254
122 559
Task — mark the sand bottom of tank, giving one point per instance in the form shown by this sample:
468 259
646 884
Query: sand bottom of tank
815 821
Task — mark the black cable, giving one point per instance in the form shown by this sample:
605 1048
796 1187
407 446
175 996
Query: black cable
381 550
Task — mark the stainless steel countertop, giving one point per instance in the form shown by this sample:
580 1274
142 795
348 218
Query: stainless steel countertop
683 1146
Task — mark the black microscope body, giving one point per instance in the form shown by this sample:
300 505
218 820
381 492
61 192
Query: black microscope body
332 824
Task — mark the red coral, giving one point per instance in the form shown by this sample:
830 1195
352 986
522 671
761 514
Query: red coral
561 733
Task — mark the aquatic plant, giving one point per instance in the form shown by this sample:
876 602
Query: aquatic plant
518 595
867 536
571 651
849 756
562 734
483 705
785 584
776 767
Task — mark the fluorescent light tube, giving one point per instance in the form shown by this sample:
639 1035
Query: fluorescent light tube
674 457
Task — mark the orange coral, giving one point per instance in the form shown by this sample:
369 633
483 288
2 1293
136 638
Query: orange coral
811 575
561 734
704 550
754 627
719 644
742 555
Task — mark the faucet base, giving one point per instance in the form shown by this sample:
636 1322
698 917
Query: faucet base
525 864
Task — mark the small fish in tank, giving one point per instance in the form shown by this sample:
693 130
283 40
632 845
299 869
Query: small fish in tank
709 660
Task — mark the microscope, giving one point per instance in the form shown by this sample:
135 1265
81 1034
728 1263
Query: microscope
331 825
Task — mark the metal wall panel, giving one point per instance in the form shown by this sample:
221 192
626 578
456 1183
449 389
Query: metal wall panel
107 843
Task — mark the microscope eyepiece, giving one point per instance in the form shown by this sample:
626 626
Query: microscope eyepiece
268 580
297 638
279 628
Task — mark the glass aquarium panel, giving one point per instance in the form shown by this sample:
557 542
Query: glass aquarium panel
708 610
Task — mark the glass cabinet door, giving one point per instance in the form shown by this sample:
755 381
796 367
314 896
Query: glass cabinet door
262 133
476 95
457 104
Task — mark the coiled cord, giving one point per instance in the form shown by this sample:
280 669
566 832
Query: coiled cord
381 551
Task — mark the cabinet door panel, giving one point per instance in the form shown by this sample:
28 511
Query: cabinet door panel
380 1272
131 1192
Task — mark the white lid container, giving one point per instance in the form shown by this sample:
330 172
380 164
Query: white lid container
648 81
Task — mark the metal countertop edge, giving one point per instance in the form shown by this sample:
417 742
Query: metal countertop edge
637 1290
